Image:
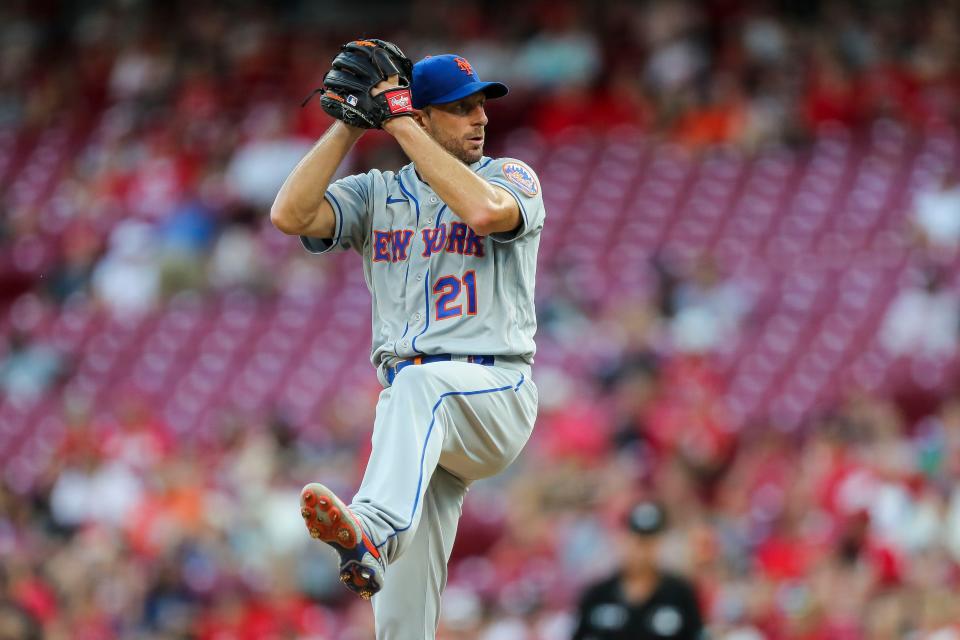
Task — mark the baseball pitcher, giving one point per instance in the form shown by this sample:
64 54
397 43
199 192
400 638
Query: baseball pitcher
449 248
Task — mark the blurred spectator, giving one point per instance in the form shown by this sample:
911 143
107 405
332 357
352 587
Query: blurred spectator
185 237
94 492
566 108
832 97
28 367
923 320
707 310
235 259
259 166
764 38
936 217
563 53
141 71
81 248
714 116
640 601
127 277
161 175
677 57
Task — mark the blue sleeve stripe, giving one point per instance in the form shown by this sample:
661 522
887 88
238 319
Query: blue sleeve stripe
523 210
426 440
336 203
326 244
308 243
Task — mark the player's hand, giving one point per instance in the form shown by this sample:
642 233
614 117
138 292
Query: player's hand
384 85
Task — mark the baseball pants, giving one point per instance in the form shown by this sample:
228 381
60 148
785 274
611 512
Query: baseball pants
439 427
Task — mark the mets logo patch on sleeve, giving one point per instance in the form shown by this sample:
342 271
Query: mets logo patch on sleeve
522 177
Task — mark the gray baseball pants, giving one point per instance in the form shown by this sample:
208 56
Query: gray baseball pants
439 427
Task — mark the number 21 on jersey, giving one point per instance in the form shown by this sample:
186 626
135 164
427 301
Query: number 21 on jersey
448 289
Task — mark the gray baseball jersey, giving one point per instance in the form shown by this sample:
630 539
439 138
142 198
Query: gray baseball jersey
437 286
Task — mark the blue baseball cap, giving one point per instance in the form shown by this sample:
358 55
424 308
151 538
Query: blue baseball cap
448 78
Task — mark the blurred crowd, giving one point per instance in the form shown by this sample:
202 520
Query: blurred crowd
744 72
849 528
184 118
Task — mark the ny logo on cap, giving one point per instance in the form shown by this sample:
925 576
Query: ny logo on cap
464 65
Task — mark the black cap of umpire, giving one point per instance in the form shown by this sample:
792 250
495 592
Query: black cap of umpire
647 518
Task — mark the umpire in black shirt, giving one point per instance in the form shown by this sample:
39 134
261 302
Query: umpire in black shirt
640 602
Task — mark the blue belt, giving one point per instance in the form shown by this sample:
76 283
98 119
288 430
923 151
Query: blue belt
440 357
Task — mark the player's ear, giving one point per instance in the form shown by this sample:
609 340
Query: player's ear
419 115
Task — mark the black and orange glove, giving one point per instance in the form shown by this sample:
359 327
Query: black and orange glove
359 67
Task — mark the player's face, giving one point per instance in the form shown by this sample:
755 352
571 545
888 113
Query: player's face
459 127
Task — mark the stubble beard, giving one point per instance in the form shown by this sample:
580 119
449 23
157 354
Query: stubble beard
461 154
456 149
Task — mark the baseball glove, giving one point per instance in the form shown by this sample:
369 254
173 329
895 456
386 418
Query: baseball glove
359 67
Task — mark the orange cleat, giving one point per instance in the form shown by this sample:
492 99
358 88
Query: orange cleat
329 520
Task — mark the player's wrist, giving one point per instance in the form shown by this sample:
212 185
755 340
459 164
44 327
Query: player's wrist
398 124
352 132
